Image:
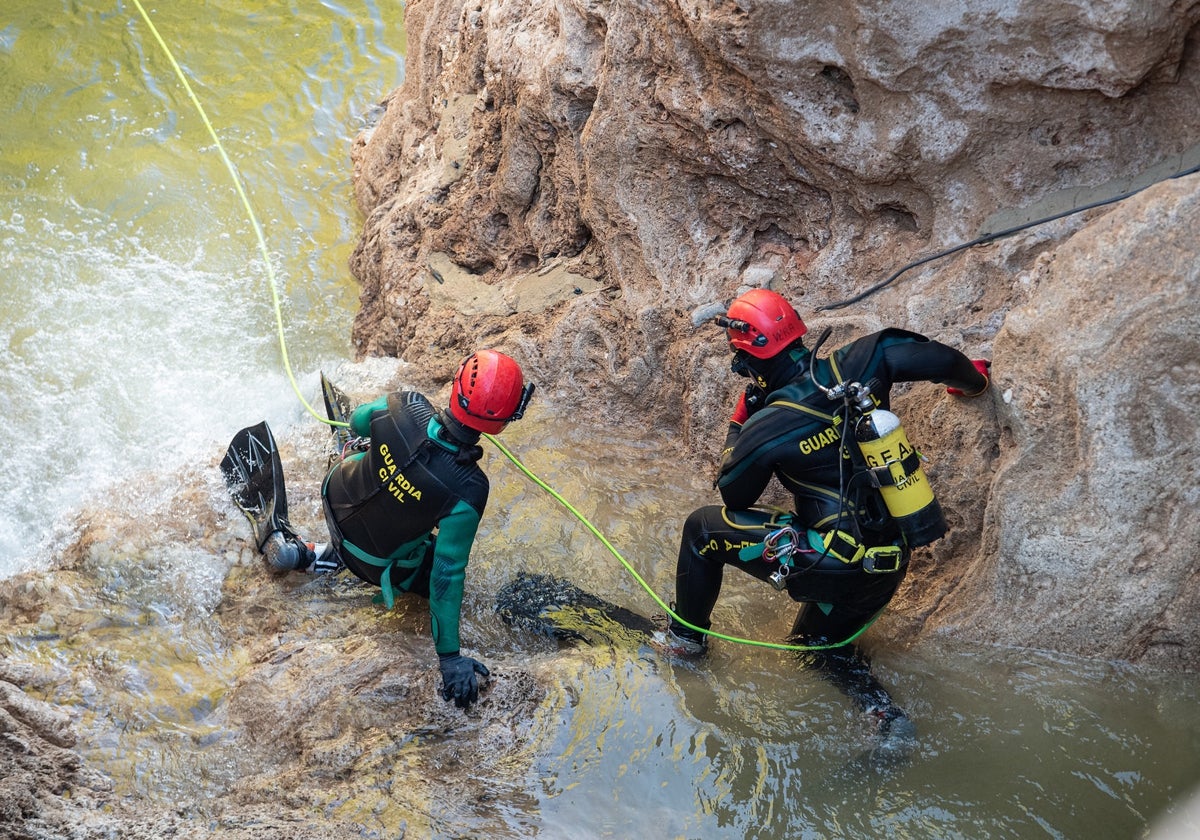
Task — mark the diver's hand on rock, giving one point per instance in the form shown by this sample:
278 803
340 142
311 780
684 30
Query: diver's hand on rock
460 678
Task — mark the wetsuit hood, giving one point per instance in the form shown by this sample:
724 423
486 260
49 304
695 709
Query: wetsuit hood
452 431
773 373
464 439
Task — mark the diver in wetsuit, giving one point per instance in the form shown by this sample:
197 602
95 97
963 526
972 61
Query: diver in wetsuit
853 553
403 514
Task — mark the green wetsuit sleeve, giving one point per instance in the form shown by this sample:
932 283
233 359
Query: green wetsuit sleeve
456 534
360 419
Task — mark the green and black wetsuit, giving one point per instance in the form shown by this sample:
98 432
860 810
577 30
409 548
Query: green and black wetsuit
404 514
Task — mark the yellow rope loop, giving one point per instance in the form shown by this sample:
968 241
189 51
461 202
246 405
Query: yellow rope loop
237 184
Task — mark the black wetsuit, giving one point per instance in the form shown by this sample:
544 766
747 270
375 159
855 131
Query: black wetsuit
384 506
796 436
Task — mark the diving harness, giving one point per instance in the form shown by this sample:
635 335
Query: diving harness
890 465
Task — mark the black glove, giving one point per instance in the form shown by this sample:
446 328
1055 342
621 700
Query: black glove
459 682
985 368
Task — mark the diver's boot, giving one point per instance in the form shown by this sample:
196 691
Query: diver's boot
325 560
897 734
287 555
679 642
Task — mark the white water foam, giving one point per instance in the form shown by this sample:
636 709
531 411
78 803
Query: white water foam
118 361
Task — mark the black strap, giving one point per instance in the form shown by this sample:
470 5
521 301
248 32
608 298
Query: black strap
882 476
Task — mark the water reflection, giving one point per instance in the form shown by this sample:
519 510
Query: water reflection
743 749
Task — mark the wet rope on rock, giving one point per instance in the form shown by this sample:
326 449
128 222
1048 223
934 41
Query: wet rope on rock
237 184
528 473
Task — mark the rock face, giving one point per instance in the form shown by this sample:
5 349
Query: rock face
37 764
1090 533
571 180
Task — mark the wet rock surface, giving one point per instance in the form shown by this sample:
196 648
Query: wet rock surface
277 706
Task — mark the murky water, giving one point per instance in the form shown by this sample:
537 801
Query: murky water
139 334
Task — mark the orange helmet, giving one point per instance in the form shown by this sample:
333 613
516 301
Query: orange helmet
489 392
762 323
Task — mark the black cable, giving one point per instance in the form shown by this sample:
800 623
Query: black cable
992 237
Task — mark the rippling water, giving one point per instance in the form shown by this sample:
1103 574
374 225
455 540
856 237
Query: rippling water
136 309
138 334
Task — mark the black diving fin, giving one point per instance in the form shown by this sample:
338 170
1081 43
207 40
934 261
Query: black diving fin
338 408
254 475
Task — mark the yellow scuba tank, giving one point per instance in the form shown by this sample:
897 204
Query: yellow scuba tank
894 466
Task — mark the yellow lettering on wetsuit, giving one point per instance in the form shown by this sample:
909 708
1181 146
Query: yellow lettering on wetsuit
723 545
819 441
399 486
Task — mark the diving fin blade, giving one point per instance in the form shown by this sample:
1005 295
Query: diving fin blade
254 475
338 409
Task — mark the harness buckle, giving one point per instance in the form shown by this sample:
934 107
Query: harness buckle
883 559
842 546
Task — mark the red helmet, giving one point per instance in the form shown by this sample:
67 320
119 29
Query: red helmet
489 392
762 323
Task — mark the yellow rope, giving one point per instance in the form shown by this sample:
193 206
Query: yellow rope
642 582
237 183
262 245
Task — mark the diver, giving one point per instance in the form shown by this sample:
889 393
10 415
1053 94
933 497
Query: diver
841 552
403 514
